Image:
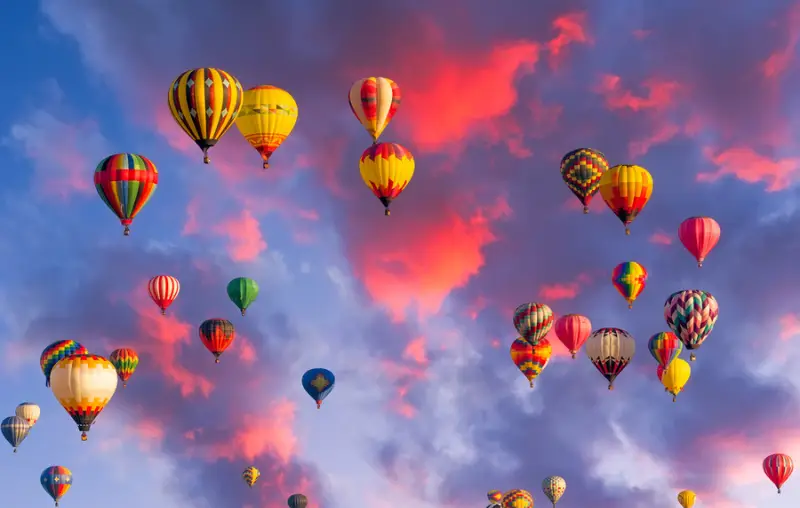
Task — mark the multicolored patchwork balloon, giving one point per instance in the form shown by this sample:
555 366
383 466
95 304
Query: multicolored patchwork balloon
531 360
56 481
665 347
125 360
517 498
57 351
581 170
691 314
629 279
533 321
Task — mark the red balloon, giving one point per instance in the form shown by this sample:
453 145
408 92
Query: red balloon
163 290
660 374
573 330
699 235
217 334
778 467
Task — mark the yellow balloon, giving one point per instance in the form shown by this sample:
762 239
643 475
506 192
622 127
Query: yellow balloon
266 119
686 498
675 376
250 475
386 169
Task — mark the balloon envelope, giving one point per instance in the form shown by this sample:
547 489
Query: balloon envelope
318 384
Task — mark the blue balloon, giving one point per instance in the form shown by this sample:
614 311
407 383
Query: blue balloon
15 430
56 481
318 383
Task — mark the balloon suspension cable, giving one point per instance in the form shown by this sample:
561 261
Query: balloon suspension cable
585 209
84 437
126 231
163 312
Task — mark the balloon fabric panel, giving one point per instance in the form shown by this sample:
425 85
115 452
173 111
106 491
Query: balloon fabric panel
374 102
581 170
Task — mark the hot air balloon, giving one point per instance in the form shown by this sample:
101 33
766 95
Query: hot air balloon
686 498
573 330
386 169
626 190
242 292
318 384
163 290
531 360
553 488
675 376
29 412
250 476
691 314
56 481
699 235
533 321
267 117
665 347
125 182
581 170
495 498
15 430
297 501
660 375
125 360
204 103
83 385
630 279
610 350
517 498
217 334
778 467
374 101
57 351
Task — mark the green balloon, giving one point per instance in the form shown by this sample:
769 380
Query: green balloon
242 292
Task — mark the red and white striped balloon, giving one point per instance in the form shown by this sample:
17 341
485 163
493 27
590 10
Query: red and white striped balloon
163 290
778 467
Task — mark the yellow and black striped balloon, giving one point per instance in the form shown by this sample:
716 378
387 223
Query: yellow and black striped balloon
205 103
250 475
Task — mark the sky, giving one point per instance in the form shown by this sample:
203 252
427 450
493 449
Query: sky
412 312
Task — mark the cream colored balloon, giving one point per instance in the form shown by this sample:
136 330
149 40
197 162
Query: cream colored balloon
83 384
29 412
610 350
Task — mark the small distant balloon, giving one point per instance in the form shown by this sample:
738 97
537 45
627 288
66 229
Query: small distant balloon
56 481
125 360
163 289
15 430
297 501
217 335
686 498
778 467
242 291
553 488
533 321
626 189
573 330
374 102
581 170
318 384
629 279
250 475
29 412
517 498
699 235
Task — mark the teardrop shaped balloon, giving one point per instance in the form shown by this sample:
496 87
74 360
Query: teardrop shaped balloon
665 347
610 350
629 279
675 376
531 360
267 117
691 314
217 335
163 289
573 330
83 385
374 102
517 498
125 182
778 467
533 321
242 292
250 475
686 498
204 103
15 430
553 488
494 496
56 481
297 501
318 384
57 351
626 189
699 235
581 170
29 412
386 169
125 360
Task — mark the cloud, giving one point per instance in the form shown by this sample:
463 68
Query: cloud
659 94
749 166
661 238
243 233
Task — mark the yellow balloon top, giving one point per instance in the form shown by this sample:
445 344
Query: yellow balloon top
268 116
686 498
675 376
